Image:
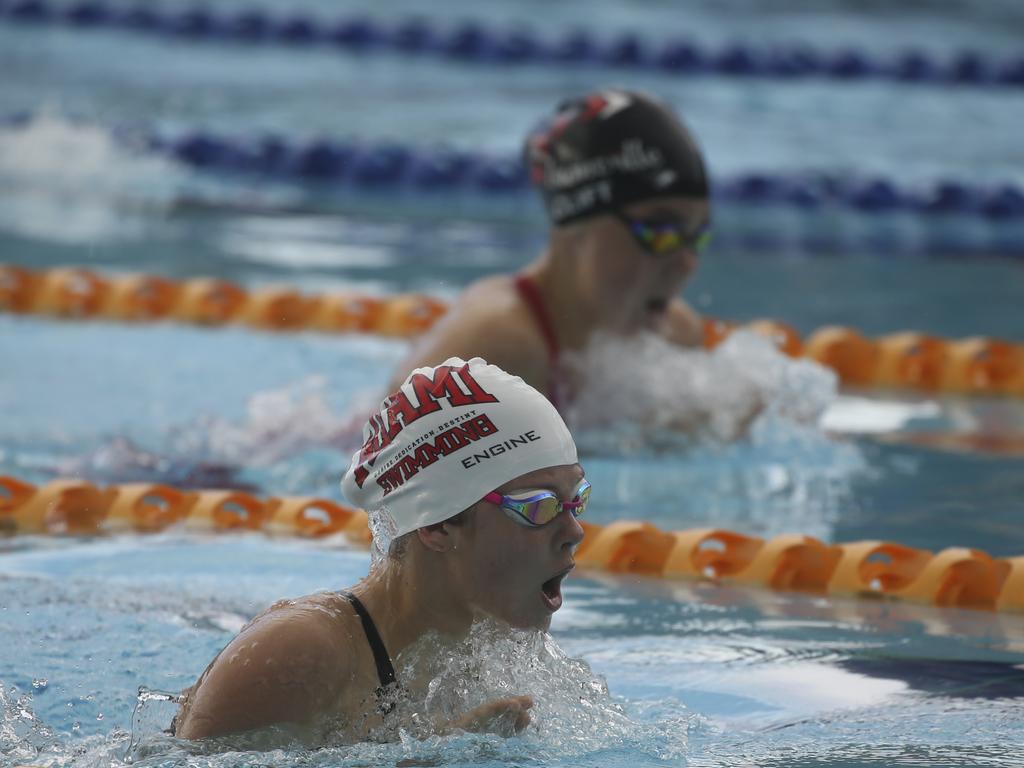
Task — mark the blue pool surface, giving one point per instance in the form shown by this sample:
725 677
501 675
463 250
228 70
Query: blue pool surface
698 675
641 671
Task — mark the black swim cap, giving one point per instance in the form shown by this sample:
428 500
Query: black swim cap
606 150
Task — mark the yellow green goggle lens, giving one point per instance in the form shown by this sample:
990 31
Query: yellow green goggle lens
660 238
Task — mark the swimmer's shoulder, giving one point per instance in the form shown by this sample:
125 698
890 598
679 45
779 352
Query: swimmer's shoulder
490 299
285 667
497 302
490 320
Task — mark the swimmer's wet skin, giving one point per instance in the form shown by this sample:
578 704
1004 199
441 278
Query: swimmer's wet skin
490 540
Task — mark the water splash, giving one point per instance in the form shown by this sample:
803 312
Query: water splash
153 711
23 737
75 182
574 714
281 434
643 387
121 460
54 151
382 529
738 428
574 718
279 423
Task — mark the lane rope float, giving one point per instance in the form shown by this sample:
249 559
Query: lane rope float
955 577
907 360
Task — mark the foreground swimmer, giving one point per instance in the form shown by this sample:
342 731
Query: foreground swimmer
479 477
626 192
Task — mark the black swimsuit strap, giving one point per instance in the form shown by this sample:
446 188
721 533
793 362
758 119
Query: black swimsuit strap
385 670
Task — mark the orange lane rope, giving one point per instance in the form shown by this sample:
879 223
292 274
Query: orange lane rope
957 576
74 293
906 360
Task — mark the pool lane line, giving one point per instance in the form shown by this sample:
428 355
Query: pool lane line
977 366
475 42
956 577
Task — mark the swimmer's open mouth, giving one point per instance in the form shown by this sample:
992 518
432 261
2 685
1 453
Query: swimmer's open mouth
657 306
551 590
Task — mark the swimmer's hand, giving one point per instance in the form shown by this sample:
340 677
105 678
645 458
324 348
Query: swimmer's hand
504 717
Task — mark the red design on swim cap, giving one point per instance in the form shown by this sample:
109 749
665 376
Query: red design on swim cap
592 107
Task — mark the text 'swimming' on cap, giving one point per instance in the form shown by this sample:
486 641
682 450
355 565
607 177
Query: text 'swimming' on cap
449 436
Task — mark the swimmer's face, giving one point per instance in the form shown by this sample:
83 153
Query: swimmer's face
513 572
632 286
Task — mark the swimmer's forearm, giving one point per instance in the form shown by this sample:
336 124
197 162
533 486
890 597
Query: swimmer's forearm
505 717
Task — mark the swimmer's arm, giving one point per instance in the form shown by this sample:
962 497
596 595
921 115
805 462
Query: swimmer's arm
282 669
504 717
683 325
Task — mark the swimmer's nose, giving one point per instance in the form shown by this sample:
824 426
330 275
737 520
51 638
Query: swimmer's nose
570 531
686 261
679 267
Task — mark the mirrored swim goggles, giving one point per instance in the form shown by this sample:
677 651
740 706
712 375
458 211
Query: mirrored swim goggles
660 238
537 508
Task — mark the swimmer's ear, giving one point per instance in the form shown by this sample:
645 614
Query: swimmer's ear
437 537
441 537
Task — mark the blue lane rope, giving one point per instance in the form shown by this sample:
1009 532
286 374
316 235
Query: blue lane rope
388 166
474 41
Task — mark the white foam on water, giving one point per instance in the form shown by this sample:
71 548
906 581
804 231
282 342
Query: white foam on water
73 182
861 415
644 385
305 254
280 423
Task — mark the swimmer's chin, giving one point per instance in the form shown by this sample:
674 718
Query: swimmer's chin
657 307
649 317
538 623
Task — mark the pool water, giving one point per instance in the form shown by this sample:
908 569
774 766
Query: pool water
695 674
698 675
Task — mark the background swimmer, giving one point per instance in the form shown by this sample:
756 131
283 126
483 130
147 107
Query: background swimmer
465 541
626 192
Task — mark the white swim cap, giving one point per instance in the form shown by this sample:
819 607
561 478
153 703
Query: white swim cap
449 436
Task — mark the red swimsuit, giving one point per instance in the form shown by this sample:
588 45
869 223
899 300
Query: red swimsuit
531 295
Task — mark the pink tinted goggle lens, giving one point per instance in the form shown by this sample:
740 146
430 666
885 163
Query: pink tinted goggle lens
536 508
